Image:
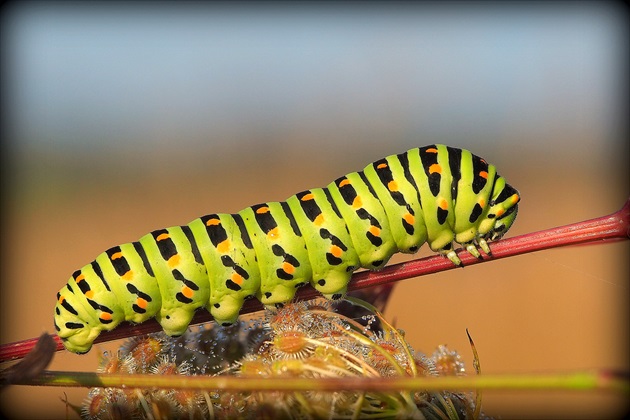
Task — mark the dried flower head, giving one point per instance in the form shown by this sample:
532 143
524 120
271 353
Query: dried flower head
305 340
448 362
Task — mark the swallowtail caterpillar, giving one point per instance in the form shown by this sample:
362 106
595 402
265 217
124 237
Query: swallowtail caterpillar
435 194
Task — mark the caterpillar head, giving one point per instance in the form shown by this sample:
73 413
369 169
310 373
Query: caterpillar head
503 224
502 212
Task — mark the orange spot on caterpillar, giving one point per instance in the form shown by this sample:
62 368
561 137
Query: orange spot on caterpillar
288 268
128 275
515 198
409 218
357 202
374 231
237 278
382 166
432 150
174 260
61 299
500 212
106 316
188 292
213 222
483 174
224 246
162 237
89 294
435 168
116 256
142 303
442 204
482 202
392 186
262 210
319 220
344 183
307 197
336 251
80 277
273 233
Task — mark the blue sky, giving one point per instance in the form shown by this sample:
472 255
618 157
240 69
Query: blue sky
97 76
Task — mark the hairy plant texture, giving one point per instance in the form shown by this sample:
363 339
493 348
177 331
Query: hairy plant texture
307 340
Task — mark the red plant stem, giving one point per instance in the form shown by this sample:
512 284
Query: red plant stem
615 226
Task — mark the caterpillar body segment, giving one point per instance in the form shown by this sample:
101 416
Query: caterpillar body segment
434 194
391 180
280 250
226 247
180 273
330 252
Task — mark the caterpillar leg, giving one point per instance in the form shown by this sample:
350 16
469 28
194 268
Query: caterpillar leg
336 296
484 246
470 247
450 253
472 250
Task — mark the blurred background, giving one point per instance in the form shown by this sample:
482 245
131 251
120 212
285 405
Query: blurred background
121 119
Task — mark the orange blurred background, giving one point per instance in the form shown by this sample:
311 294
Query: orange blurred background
123 120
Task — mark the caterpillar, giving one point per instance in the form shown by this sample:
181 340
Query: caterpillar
435 194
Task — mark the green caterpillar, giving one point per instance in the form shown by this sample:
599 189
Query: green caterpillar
435 194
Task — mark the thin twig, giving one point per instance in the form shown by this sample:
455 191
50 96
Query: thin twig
579 381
